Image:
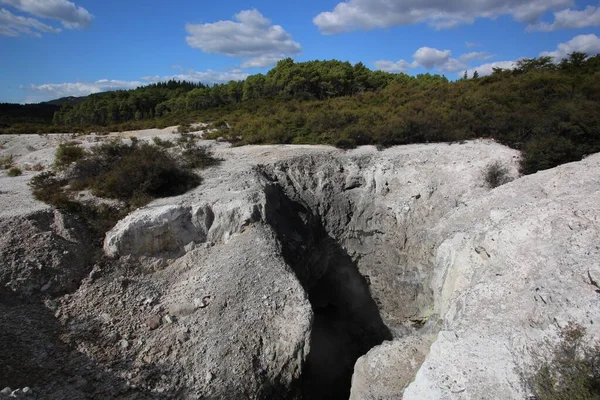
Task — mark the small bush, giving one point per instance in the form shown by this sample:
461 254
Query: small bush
345 143
220 123
185 139
185 128
134 174
195 157
571 373
14 171
68 153
6 162
165 144
99 217
35 167
146 172
46 186
496 175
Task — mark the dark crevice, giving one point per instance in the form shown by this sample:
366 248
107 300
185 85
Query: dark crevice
346 321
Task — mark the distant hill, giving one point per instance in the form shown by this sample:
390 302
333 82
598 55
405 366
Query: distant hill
65 100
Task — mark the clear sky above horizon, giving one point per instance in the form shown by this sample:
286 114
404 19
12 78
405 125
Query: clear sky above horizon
56 48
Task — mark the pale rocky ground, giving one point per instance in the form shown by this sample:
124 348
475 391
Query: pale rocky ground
288 264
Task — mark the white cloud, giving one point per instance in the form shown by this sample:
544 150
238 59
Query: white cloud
487 69
453 65
589 44
50 91
206 77
430 58
70 15
395 67
56 90
475 55
15 25
570 19
252 37
441 14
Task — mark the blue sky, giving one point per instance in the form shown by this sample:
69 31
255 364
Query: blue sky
55 48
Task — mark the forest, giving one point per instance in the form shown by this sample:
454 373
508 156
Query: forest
549 110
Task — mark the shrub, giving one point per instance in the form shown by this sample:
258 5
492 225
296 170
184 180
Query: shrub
99 217
165 144
496 174
14 171
6 162
186 139
146 172
133 173
220 123
345 143
68 153
571 373
185 128
35 167
46 186
543 152
195 157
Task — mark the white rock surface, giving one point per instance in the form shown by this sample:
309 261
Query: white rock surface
466 279
510 271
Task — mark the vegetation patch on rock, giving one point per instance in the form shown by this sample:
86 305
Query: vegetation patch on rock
130 175
571 372
496 174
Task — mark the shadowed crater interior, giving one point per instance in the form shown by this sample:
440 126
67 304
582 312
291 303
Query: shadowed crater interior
346 322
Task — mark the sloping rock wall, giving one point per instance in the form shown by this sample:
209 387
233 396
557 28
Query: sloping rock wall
311 273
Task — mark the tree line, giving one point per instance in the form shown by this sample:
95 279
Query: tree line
549 110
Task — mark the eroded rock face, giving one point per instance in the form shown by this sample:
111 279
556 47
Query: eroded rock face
386 370
228 321
298 272
509 270
43 252
160 231
512 269
357 229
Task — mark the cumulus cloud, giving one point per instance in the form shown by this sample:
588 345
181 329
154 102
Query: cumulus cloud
50 91
395 67
441 14
56 90
251 36
206 77
589 44
570 19
16 25
70 15
430 58
475 55
487 69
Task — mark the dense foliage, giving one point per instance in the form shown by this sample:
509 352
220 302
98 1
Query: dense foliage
550 111
26 118
133 174
572 372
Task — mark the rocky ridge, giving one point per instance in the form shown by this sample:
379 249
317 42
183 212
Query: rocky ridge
310 272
